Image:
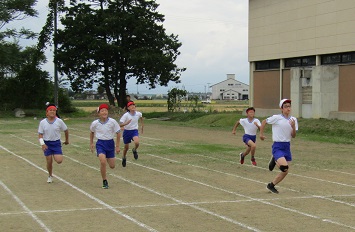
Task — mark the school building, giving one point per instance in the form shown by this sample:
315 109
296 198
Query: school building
303 50
230 89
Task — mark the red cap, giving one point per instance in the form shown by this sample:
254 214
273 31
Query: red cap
130 103
102 106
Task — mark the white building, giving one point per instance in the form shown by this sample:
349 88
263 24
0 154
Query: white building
230 89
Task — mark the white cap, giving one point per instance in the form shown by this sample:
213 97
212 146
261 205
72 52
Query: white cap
284 101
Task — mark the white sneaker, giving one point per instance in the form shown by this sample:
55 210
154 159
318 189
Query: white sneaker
50 179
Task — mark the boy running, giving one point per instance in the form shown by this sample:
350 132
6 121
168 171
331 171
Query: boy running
130 123
250 125
284 127
106 129
49 138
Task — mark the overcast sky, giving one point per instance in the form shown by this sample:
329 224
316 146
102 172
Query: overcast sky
214 36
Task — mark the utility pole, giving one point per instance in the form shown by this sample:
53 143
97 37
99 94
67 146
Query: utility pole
208 87
56 87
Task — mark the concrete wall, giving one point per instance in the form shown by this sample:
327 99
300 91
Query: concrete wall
324 82
325 90
324 99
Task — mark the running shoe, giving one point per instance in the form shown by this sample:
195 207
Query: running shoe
271 187
105 184
241 159
272 163
50 179
253 162
135 153
123 162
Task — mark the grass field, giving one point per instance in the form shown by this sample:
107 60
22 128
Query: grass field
148 106
186 179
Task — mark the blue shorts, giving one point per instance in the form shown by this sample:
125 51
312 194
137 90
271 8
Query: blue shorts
247 137
128 135
106 147
54 148
281 149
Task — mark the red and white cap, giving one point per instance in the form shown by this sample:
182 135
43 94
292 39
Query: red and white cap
283 101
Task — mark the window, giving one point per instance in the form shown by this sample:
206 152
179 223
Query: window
300 61
331 59
267 64
348 57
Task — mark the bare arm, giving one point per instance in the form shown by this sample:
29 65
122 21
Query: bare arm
235 127
257 125
66 132
293 125
263 124
125 123
41 142
92 141
118 139
142 124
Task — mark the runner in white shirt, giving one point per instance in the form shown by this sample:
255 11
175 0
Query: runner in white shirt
49 138
106 129
251 126
284 127
130 123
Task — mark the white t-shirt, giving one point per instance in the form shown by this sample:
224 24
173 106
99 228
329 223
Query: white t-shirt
51 130
281 127
106 130
133 125
249 126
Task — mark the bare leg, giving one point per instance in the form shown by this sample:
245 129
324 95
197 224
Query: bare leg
102 158
58 158
111 162
49 160
279 177
125 149
136 142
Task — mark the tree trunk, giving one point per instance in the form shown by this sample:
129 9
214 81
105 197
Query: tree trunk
122 101
110 97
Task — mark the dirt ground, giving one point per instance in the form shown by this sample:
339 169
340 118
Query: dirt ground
186 179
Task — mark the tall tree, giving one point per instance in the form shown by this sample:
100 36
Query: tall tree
110 41
22 83
13 10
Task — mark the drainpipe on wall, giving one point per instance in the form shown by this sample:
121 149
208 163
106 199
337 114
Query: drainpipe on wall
251 83
282 64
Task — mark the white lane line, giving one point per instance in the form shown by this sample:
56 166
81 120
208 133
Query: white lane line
245 178
85 193
289 209
26 209
241 195
160 194
293 174
170 197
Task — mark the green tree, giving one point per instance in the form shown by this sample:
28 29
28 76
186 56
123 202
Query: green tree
175 97
110 41
22 83
12 10
27 85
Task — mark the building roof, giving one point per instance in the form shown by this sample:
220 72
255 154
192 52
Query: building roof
229 81
230 90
